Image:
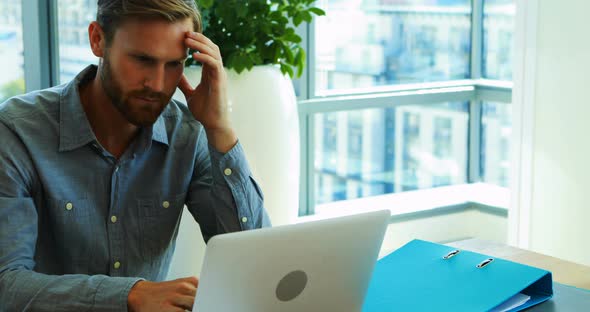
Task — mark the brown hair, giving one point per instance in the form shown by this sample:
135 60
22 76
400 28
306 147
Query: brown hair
112 13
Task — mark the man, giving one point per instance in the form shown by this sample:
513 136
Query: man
94 173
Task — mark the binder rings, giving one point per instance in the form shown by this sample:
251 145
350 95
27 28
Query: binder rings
424 276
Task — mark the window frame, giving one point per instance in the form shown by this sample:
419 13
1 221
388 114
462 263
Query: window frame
475 90
40 44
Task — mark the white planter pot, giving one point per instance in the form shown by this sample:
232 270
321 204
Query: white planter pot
264 114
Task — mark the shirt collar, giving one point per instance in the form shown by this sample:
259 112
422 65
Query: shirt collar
74 128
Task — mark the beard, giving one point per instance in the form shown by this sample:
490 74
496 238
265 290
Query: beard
140 113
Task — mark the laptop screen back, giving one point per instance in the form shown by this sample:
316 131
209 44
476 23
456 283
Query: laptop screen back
315 266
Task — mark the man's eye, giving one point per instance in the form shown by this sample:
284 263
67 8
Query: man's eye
176 64
144 59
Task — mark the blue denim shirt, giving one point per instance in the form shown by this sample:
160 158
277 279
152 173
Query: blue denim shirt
78 227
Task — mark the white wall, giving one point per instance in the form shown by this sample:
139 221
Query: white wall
446 228
559 215
190 249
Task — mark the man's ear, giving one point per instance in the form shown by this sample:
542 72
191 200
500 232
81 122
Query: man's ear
97 39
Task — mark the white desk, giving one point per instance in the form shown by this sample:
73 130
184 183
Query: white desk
564 272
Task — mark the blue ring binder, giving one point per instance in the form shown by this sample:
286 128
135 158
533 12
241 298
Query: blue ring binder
416 278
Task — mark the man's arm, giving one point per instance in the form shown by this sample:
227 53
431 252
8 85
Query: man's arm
223 197
22 289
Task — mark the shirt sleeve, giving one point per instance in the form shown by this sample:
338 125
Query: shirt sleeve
223 196
21 288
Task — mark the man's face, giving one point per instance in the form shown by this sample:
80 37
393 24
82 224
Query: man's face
142 67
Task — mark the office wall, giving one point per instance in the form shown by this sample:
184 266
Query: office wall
190 249
560 207
443 228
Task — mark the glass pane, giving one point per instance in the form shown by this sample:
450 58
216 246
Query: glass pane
496 130
379 151
12 75
366 43
498 45
74 47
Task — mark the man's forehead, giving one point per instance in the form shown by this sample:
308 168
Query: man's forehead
156 38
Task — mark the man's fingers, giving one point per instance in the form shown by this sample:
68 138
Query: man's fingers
184 302
185 86
201 47
187 289
207 60
192 279
187 285
202 38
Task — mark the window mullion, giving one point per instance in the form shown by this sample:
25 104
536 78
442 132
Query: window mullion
310 60
476 38
474 149
308 195
39 44
53 38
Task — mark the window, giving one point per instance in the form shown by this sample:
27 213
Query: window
498 37
496 130
74 47
379 151
396 102
12 76
363 44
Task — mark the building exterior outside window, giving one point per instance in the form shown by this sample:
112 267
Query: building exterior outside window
12 76
74 47
393 42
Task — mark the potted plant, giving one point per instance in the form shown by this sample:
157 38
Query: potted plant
257 32
261 52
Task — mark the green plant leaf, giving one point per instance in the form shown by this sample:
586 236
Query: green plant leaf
275 15
292 37
307 16
287 70
317 11
297 19
300 61
204 4
289 55
240 63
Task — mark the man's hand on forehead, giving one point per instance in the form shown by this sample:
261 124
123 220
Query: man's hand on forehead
206 51
208 101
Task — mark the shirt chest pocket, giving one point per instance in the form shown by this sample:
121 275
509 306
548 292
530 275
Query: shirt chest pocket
159 219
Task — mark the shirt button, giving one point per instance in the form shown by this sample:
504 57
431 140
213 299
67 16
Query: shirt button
114 219
69 206
117 265
165 204
244 219
227 171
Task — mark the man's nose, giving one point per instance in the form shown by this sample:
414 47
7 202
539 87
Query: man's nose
155 79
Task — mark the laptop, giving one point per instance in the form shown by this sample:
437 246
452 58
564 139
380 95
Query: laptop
321 265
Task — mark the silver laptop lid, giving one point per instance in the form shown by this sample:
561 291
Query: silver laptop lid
315 266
